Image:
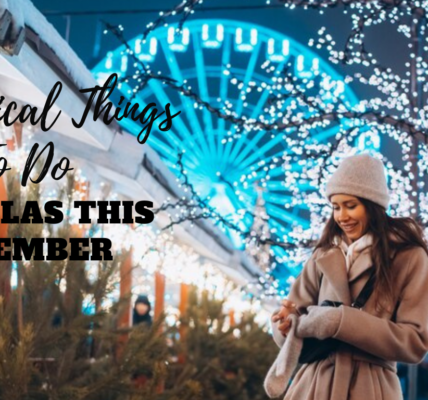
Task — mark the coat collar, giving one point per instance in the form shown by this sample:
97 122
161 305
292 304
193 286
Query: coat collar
353 251
332 264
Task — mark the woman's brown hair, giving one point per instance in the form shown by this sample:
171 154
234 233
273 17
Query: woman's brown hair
388 233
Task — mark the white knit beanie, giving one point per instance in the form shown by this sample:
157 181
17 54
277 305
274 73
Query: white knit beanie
362 176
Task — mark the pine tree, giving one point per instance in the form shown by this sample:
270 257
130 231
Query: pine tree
50 349
228 362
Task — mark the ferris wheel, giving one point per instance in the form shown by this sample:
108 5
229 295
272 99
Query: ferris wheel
233 64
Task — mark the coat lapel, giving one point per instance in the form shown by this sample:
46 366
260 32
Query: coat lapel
361 264
333 266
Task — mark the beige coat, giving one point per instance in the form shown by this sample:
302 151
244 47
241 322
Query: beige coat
381 339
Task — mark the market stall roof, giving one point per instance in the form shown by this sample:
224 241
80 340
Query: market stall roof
38 31
33 58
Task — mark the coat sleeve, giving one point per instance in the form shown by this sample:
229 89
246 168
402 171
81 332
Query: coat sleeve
304 293
406 339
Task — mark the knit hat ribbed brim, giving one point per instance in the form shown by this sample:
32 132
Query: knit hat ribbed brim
362 176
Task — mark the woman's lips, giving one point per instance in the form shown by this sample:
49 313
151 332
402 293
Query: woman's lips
348 228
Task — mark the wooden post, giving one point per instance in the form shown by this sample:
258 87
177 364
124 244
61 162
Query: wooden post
184 301
159 294
184 298
231 318
159 308
19 292
83 189
124 320
5 276
125 290
16 141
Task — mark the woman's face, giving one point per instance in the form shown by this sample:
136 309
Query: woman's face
350 214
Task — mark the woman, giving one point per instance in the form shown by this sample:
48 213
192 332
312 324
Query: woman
393 325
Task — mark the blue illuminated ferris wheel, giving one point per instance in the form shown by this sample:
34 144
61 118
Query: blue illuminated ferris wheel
233 64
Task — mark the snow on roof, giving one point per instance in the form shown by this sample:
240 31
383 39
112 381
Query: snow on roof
24 13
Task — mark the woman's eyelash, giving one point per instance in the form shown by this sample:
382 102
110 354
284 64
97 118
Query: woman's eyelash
350 207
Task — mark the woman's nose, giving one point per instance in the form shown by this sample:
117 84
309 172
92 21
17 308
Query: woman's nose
343 215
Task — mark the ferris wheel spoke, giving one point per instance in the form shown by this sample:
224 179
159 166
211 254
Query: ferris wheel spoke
251 145
260 103
278 171
306 186
182 128
256 111
249 73
259 152
278 154
325 134
280 203
279 226
203 88
281 253
281 257
170 164
187 104
268 183
277 185
164 150
278 199
284 215
167 154
263 98
224 82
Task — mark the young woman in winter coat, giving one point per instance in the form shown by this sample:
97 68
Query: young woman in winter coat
392 326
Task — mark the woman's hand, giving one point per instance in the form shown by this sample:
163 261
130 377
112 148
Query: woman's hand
287 308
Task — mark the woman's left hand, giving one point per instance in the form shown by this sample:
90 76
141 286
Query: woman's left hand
320 322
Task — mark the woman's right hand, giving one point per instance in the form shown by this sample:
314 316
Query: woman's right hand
287 308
